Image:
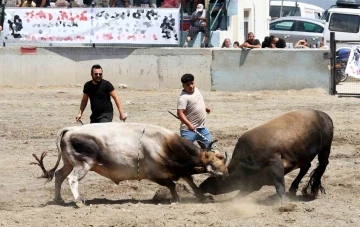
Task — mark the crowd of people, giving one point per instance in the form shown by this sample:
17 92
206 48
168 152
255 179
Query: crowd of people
269 42
95 3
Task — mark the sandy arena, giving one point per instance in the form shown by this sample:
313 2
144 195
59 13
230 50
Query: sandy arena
31 117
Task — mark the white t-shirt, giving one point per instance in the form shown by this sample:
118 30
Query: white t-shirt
194 108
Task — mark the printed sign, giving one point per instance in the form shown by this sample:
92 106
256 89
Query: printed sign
353 64
92 25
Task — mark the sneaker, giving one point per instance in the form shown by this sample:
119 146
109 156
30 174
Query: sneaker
210 45
186 44
202 45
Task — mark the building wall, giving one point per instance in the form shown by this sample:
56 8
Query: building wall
161 68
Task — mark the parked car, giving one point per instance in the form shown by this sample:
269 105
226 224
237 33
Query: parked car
292 29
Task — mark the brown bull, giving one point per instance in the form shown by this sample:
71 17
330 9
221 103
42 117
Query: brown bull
264 154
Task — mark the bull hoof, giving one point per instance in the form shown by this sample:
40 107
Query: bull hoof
79 204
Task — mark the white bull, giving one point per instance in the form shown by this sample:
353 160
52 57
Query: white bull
129 151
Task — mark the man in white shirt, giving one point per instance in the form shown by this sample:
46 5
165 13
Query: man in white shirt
191 111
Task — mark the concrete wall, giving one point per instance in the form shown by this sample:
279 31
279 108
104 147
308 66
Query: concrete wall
161 68
151 68
269 69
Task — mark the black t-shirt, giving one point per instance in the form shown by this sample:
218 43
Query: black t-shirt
99 96
254 42
280 43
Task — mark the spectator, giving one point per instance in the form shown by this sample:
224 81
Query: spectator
266 43
236 44
42 3
170 4
119 3
148 3
276 42
198 20
101 3
99 92
302 44
28 3
218 7
322 44
191 111
226 43
251 42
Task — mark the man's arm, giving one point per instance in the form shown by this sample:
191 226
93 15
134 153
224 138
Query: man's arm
43 3
183 119
111 3
116 98
83 104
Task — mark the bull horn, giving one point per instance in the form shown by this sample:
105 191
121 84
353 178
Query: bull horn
210 145
227 159
210 170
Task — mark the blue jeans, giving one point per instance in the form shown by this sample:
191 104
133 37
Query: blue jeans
192 136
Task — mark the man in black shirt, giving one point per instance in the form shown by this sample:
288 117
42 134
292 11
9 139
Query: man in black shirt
99 92
251 42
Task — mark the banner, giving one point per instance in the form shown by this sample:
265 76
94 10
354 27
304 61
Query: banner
353 64
92 25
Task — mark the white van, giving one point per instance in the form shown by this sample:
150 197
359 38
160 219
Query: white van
345 22
290 9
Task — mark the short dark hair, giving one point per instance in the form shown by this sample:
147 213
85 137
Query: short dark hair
97 66
187 78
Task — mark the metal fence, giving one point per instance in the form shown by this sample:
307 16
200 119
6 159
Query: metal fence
341 82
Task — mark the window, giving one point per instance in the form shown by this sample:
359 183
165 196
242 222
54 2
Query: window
303 26
282 25
286 11
344 23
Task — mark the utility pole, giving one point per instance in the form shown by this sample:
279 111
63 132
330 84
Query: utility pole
281 8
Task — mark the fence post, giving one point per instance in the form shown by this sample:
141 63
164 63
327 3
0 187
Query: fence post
332 63
2 17
181 43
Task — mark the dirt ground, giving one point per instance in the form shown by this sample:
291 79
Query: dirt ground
31 117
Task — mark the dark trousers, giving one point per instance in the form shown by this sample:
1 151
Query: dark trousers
101 118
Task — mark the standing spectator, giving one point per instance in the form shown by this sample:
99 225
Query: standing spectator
28 3
42 3
149 3
251 42
198 20
236 44
170 4
276 42
99 92
226 43
218 7
119 3
191 111
302 44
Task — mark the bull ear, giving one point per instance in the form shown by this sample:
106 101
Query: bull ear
199 169
201 144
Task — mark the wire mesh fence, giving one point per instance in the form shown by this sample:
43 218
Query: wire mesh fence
346 67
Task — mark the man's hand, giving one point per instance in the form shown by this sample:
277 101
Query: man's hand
123 117
78 117
191 127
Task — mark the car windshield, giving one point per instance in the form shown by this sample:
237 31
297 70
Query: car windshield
344 23
286 11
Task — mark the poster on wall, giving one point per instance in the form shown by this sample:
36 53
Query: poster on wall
135 25
34 25
92 25
353 64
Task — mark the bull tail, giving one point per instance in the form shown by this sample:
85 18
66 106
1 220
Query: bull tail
323 157
49 174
